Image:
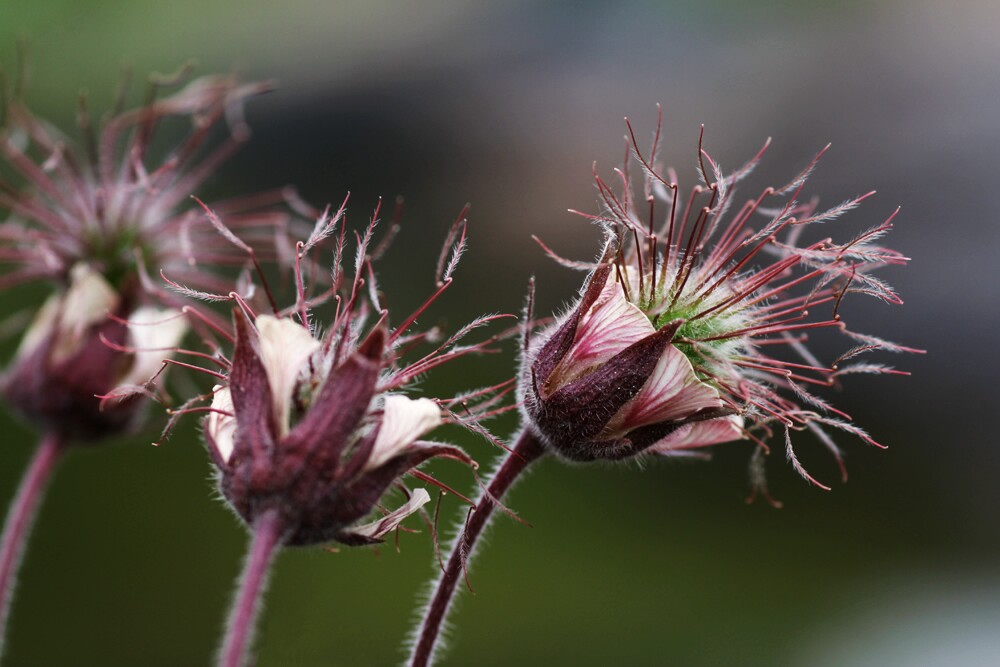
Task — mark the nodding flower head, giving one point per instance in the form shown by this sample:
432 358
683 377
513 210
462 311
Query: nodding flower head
318 426
90 217
79 347
690 328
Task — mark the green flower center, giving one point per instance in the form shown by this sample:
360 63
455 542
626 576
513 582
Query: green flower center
704 332
116 253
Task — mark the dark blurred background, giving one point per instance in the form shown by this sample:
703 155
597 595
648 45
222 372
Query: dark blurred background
506 105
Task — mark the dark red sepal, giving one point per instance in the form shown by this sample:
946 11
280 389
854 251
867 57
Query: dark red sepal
253 406
61 396
556 347
338 408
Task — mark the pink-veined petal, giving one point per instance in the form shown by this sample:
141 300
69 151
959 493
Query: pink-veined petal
701 434
673 392
610 326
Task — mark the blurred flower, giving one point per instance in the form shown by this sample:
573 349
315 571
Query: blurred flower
77 348
92 219
690 330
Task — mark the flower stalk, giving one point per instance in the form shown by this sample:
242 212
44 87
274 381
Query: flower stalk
264 543
526 451
19 520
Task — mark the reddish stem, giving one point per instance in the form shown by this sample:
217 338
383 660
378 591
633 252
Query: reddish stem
267 534
19 519
526 450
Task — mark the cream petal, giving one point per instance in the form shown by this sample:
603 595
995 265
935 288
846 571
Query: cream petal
701 434
222 427
672 392
285 348
404 420
88 300
380 527
154 333
41 326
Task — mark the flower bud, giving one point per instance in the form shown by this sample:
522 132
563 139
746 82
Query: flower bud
605 384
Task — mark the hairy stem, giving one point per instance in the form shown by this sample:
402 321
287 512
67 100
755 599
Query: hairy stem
22 512
267 534
526 450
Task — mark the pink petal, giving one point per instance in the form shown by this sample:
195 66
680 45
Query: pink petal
611 325
701 434
673 392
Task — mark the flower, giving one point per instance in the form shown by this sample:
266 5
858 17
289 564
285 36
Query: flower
72 353
317 428
328 468
607 384
690 328
92 219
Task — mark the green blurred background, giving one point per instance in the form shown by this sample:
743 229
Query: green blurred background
506 105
